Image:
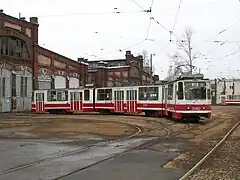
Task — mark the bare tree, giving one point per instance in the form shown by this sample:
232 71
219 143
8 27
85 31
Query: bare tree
178 65
146 61
185 45
145 58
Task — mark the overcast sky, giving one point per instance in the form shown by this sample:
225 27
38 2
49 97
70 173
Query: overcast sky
68 27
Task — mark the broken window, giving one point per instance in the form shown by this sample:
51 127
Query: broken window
13 46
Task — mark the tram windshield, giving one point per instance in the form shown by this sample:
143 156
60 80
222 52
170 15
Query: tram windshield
195 90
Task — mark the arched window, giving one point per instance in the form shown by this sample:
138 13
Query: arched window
13 46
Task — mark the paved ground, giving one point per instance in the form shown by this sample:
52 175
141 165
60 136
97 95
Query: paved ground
136 165
30 139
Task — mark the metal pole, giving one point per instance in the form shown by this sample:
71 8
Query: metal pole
151 64
1 66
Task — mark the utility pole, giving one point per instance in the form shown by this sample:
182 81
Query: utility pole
151 65
190 56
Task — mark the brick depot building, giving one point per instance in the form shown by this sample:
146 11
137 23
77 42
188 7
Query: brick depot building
24 65
118 72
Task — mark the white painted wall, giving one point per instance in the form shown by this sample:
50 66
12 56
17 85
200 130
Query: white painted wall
60 82
73 82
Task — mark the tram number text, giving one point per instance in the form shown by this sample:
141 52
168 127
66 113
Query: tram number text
196 108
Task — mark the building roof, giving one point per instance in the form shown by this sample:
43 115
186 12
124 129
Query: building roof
74 61
92 61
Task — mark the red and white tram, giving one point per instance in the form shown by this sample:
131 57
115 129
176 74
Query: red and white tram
188 97
185 97
230 99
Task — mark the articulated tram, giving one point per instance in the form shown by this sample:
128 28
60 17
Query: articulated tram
184 97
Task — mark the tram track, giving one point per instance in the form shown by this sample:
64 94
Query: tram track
198 165
142 146
166 127
138 131
137 128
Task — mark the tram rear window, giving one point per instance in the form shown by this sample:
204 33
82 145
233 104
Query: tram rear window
59 95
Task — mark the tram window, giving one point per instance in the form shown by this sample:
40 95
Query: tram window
153 93
229 97
180 90
170 91
52 96
100 95
86 95
237 97
62 95
104 94
208 93
108 94
143 93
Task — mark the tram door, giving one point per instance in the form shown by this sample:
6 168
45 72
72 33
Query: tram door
118 101
175 97
40 102
76 101
132 101
166 100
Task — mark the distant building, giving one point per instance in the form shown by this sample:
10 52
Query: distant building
224 87
118 72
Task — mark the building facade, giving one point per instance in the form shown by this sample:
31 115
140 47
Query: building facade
56 71
25 66
118 72
224 87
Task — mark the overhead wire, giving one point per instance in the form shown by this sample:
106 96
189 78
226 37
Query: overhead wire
224 30
231 54
175 21
85 14
148 27
134 1
220 32
150 21
215 41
